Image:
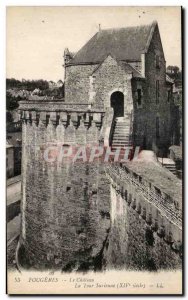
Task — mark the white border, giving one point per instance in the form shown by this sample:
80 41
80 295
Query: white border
3 5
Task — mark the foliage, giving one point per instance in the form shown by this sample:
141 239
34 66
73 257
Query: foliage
28 85
174 72
12 102
9 117
56 92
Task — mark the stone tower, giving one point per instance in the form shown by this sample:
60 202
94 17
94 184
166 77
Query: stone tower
65 205
74 217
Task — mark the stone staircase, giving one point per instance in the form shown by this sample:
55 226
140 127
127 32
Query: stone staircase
168 164
120 136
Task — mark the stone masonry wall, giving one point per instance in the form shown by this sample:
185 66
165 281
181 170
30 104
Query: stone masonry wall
162 109
72 217
77 83
90 83
94 84
140 112
135 240
109 78
65 206
145 114
132 244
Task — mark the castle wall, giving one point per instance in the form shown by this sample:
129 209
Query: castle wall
140 112
109 78
142 236
77 83
133 245
145 115
72 216
162 109
65 226
65 205
94 84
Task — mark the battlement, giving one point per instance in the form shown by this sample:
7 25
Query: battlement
55 106
35 110
160 211
81 206
66 123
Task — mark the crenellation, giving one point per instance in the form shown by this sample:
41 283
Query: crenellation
74 119
60 132
81 134
51 130
63 118
151 214
70 137
92 134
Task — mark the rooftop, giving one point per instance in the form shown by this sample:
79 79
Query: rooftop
125 44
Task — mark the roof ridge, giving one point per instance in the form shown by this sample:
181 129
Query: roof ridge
134 69
150 35
136 26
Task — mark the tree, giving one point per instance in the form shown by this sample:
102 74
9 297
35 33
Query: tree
169 69
11 102
29 85
174 72
9 117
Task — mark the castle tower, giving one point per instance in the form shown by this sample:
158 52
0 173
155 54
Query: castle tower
72 214
62 205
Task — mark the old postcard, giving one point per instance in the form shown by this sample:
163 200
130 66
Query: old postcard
94 150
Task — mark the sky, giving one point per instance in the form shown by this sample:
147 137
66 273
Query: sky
37 36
